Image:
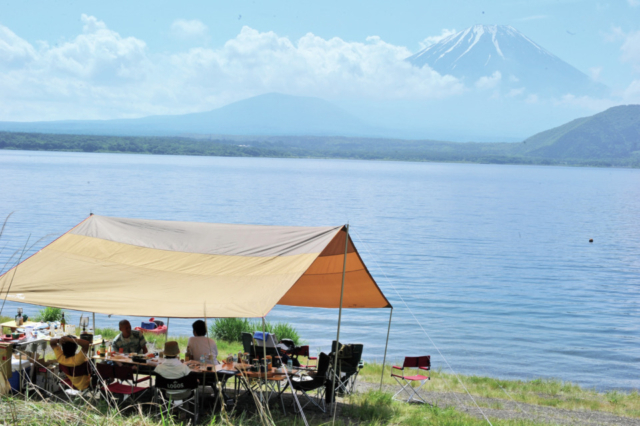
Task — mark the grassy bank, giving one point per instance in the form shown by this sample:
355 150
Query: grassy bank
544 392
541 392
372 408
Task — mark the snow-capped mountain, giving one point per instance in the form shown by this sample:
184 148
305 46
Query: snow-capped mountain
498 56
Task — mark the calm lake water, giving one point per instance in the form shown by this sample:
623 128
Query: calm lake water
493 260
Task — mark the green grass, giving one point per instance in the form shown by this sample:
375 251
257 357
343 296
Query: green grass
545 392
231 329
372 408
378 408
48 314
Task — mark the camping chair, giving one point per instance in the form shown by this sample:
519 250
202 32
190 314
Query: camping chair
247 345
349 366
65 383
304 352
422 363
180 394
124 382
317 383
261 347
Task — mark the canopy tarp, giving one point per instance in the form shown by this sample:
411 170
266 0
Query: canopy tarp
178 269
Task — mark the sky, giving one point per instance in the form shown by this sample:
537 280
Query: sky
99 60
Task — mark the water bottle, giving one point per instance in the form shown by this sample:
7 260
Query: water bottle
203 363
289 365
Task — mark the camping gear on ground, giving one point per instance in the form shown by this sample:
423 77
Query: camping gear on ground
273 265
421 363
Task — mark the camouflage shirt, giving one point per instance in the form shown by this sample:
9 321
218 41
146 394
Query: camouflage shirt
134 343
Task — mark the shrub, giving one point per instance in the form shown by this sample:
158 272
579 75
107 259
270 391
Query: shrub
49 314
231 329
283 330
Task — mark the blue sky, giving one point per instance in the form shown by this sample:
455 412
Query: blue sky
125 59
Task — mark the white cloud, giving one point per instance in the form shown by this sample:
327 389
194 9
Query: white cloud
101 74
515 92
489 82
14 51
183 28
437 38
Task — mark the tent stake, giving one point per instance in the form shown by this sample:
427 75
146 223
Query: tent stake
386 345
335 363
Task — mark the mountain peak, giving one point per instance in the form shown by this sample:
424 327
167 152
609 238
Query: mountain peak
505 54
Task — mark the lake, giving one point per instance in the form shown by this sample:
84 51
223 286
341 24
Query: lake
493 260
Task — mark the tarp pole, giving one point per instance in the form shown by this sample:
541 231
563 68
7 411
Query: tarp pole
335 362
386 345
264 360
94 333
166 339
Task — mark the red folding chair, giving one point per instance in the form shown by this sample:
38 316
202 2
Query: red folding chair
124 382
422 363
304 352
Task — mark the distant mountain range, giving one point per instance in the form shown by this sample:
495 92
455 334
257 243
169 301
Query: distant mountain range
482 51
610 138
269 114
497 58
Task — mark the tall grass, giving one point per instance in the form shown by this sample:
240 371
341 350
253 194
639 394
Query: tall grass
231 329
49 314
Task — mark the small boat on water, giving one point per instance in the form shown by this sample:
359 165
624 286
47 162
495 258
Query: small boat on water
159 330
153 326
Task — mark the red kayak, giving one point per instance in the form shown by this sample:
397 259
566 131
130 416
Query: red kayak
158 330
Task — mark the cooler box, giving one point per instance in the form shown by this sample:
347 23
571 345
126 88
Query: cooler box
271 339
148 325
14 380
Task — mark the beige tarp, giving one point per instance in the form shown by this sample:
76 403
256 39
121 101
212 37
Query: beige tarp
178 269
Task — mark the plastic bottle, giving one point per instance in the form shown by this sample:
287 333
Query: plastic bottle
203 363
289 365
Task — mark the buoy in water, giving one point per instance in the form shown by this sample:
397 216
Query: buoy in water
590 240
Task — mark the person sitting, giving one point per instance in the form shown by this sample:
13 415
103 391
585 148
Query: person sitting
129 341
172 367
202 345
65 351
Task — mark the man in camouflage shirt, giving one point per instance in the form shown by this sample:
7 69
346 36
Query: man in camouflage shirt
129 341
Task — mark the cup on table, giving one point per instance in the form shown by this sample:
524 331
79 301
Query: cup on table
120 350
